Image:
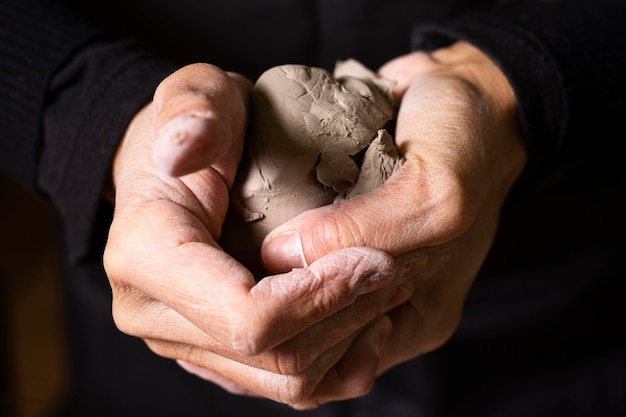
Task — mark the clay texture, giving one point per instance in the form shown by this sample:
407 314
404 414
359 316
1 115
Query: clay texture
314 138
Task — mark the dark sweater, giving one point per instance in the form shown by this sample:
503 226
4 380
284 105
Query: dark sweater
541 333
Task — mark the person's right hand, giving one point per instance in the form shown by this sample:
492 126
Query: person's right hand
176 289
458 130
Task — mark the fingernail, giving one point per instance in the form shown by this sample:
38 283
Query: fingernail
284 252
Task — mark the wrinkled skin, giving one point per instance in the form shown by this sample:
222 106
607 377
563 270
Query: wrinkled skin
458 130
173 286
323 331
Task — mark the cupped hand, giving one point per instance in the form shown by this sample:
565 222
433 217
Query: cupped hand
458 131
174 287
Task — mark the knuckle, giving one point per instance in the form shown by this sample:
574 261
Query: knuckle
445 206
113 259
126 305
164 85
297 389
123 322
455 212
292 362
361 386
118 259
244 337
200 78
339 229
158 348
350 230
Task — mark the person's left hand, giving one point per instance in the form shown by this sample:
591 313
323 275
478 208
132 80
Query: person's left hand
458 130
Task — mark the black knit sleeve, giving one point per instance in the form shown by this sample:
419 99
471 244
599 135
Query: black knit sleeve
36 37
72 91
566 61
90 102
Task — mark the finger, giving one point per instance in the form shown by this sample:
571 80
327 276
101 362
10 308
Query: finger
407 212
431 199
409 338
140 316
406 67
436 305
327 286
218 379
421 326
248 380
220 297
200 118
354 375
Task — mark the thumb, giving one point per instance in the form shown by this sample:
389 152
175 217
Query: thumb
201 113
423 203
390 218
405 68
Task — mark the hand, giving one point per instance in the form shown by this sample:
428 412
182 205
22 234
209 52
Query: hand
458 130
174 287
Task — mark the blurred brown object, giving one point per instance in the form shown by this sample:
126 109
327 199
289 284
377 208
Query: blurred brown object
34 362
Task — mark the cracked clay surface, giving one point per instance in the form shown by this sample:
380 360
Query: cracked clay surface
314 138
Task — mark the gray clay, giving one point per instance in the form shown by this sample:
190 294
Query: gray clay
314 138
